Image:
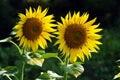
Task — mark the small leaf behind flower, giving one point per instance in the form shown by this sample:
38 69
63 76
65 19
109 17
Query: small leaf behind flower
41 51
49 55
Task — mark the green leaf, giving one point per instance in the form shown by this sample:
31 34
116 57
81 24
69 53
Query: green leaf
75 69
33 59
118 66
118 60
8 71
36 61
49 55
2 71
11 69
53 74
41 51
49 75
117 76
6 40
43 76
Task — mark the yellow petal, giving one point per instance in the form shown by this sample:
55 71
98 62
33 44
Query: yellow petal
81 55
90 22
86 51
73 55
84 18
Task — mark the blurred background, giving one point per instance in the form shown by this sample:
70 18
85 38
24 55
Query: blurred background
102 66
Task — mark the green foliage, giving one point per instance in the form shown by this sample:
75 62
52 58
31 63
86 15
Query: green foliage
8 72
101 66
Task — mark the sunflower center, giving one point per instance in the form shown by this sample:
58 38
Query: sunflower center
32 28
35 29
75 35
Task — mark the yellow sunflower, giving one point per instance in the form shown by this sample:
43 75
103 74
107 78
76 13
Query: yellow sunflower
77 37
34 28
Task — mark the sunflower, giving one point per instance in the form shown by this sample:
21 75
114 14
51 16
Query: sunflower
34 28
77 37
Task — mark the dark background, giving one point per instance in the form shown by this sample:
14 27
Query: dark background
101 66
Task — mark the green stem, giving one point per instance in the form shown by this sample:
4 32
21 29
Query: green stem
22 71
16 77
8 77
16 46
60 60
23 63
66 64
65 76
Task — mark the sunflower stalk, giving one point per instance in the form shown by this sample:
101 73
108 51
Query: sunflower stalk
22 71
60 60
16 46
66 64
